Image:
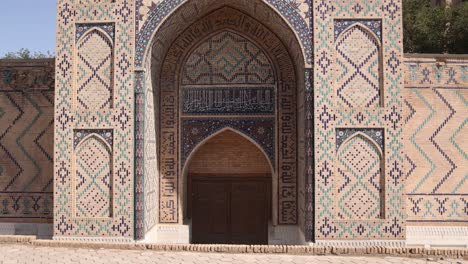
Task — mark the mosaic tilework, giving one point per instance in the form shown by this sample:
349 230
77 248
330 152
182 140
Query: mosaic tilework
93 177
94 70
309 193
328 117
120 118
151 13
358 183
374 25
436 99
262 131
357 66
83 28
80 134
376 134
227 58
26 140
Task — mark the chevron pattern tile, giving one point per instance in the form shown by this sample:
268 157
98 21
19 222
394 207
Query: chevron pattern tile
26 154
436 99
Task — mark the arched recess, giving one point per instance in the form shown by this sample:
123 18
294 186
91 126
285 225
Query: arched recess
230 159
181 33
359 68
256 152
94 70
93 182
359 183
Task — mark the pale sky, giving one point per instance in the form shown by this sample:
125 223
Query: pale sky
27 24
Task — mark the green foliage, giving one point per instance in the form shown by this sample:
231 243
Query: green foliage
435 29
26 54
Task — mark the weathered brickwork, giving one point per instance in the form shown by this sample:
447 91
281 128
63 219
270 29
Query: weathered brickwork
436 93
26 140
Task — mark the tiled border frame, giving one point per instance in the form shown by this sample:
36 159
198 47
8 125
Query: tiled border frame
120 119
327 117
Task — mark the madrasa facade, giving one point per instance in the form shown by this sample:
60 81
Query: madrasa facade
235 122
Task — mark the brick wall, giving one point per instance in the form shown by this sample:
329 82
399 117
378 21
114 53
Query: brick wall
229 153
26 140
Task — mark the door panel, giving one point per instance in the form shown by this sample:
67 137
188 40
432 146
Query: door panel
211 214
230 210
249 213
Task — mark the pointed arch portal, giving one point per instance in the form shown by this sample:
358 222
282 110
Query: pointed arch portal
224 76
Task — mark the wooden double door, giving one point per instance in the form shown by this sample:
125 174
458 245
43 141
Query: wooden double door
230 209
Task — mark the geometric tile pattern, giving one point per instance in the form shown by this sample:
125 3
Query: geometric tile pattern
329 115
436 99
94 70
26 140
359 178
116 114
94 178
357 67
227 58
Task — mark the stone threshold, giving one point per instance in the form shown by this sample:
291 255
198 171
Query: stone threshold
374 251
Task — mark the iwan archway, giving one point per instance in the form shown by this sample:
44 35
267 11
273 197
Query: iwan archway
223 72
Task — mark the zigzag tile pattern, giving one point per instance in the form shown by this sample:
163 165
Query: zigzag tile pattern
26 145
436 100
